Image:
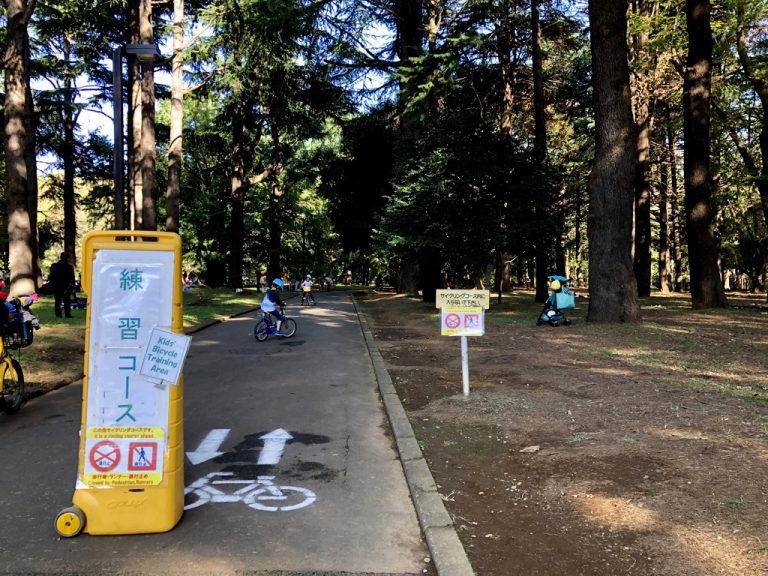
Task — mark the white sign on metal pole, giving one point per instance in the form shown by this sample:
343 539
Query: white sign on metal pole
463 321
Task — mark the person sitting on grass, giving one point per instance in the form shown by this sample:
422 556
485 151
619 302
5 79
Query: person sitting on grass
273 305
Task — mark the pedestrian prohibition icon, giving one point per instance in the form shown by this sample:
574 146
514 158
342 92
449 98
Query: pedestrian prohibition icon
105 456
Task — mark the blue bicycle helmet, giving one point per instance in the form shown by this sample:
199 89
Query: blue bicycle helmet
309 276
278 282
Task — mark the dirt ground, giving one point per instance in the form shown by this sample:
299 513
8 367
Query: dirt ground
595 450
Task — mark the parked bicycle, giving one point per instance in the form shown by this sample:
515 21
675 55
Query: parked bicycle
16 332
267 326
260 494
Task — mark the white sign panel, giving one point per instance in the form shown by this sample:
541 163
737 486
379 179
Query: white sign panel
131 294
463 298
463 321
164 355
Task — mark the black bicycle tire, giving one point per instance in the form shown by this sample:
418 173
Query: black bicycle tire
13 405
260 331
289 327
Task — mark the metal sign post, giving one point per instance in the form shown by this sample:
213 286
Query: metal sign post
465 364
462 313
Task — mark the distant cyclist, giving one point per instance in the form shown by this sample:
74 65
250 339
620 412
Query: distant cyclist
272 304
306 290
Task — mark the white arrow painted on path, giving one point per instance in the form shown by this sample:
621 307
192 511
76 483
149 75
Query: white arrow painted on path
274 443
209 446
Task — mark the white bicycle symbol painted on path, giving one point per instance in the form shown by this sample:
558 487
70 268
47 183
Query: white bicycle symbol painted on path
259 494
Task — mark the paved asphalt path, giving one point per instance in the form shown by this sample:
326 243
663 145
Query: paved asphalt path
318 386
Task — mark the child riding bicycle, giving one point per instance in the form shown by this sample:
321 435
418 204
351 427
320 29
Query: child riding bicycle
306 290
273 305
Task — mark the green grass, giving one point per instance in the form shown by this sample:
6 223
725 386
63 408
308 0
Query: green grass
201 305
204 305
754 391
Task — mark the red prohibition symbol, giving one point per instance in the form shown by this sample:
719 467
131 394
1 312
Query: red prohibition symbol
105 456
452 320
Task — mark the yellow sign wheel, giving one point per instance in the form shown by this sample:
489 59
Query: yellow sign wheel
69 522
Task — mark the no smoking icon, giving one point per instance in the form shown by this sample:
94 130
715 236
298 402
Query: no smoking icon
105 456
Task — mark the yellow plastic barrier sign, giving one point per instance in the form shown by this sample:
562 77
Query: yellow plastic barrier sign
130 476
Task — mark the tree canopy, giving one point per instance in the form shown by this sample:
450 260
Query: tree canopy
434 144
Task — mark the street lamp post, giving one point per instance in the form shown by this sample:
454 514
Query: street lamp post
145 53
117 115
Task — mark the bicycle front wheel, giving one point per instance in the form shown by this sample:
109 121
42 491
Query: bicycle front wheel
261 331
279 498
288 328
13 386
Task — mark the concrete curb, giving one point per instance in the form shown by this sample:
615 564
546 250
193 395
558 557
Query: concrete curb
446 549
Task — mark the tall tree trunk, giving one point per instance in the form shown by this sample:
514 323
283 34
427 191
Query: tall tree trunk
760 87
504 43
20 232
30 152
68 158
409 18
430 274
134 114
578 248
677 240
274 215
642 256
502 279
241 161
506 72
665 192
148 147
543 245
275 210
706 285
539 102
173 191
612 285
561 265
642 93
408 277
664 187
674 209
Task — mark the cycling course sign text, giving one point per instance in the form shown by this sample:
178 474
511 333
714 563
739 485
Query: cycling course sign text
127 407
462 321
119 456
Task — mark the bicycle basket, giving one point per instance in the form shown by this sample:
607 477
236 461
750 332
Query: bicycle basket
18 334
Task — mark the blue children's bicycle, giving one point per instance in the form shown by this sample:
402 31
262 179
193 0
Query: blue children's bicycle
267 326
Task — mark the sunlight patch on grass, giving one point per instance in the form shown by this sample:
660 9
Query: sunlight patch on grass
736 503
755 392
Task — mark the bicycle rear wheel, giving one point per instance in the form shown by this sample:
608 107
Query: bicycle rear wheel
261 331
13 386
288 328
